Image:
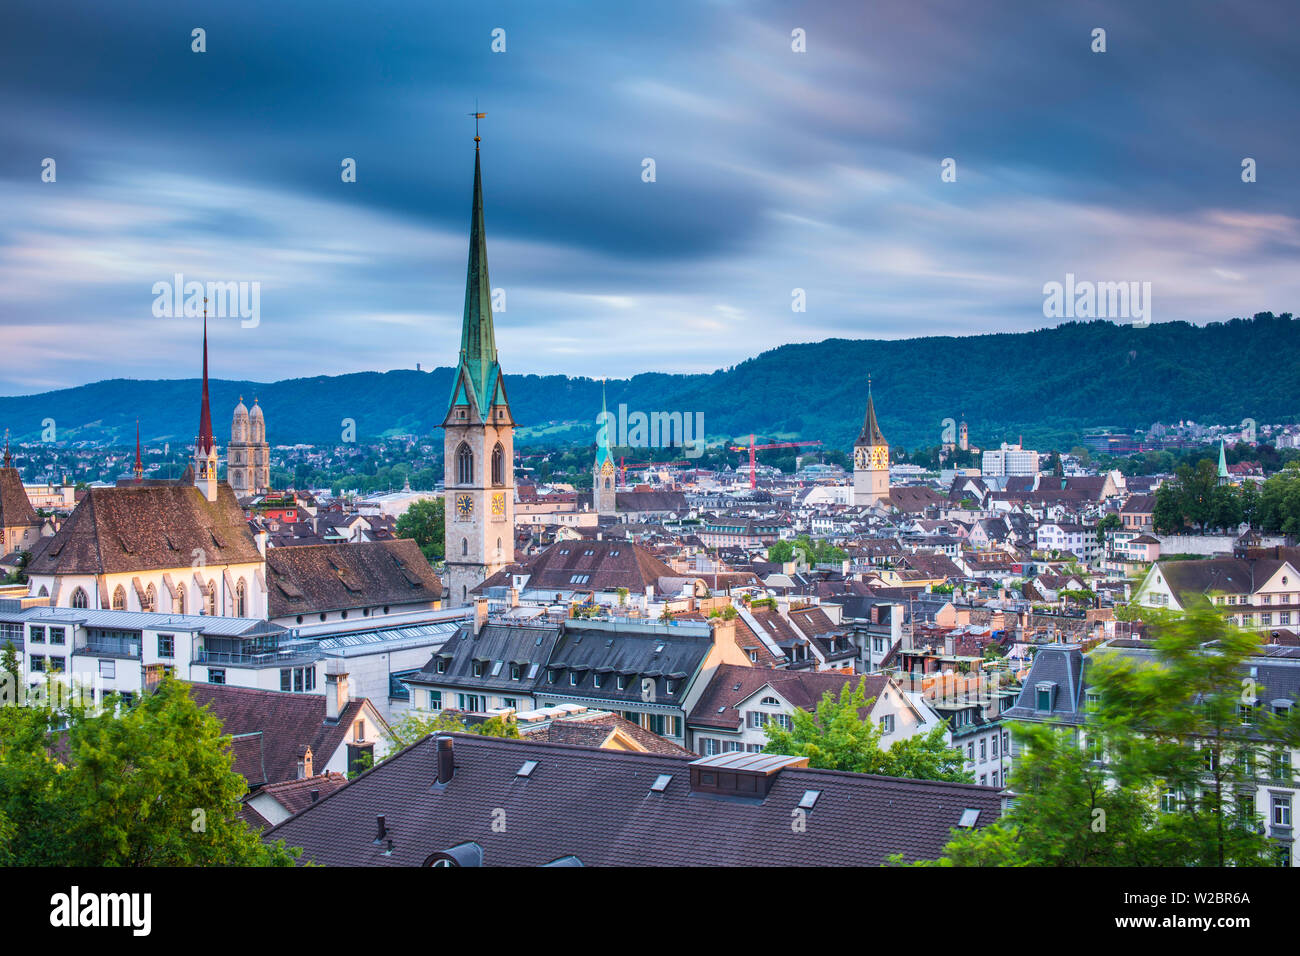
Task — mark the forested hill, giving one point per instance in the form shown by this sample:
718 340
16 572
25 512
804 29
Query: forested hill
1049 385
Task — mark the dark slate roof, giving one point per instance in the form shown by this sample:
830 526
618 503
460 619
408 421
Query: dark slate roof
15 507
731 684
642 501
147 528
593 652
1139 504
327 577
270 727
871 433
1062 665
504 643
598 805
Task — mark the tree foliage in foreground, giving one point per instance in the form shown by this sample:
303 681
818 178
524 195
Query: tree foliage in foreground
148 786
1178 737
836 737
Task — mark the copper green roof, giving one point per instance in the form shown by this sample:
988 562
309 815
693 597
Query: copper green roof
871 433
478 346
1223 462
602 435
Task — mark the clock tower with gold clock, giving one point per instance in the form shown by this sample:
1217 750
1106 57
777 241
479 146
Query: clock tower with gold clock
478 443
870 460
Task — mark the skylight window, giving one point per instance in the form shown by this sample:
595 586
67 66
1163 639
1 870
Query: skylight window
527 769
809 799
661 783
496 668
968 818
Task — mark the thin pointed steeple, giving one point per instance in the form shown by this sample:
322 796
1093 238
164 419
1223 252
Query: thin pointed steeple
9 462
204 442
603 453
478 344
139 463
1223 463
871 433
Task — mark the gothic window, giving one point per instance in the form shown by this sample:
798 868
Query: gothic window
241 595
464 465
150 599
119 598
210 598
464 546
498 465
79 598
178 602
607 483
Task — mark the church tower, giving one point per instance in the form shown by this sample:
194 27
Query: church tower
478 447
602 475
963 435
870 460
205 464
248 456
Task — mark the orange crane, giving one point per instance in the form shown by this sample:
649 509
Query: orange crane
623 466
753 475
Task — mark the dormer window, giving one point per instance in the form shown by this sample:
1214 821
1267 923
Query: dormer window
1044 694
516 672
622 682
770 702
442 665
573 678
478 668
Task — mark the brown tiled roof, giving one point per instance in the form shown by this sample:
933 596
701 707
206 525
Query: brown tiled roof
914 498
327 577
611 565
148 528
598 805
15 507
271 727
295 795
731 684
595 732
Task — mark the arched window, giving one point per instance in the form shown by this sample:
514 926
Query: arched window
606 482
498 465
241 595
119 598
464 546
43 592
498 549
150 599
79 598
178 602
464 465
210 598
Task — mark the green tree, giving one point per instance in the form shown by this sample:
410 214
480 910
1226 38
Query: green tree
837 737
1110 522
424 522
152 785
1151 778
417 725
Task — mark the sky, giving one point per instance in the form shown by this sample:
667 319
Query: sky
774 170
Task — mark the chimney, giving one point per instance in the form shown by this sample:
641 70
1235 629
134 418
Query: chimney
315 795
337 694
480 615
446 760
262 538
304 763
514 597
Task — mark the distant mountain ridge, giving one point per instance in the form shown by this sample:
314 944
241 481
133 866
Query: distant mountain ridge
1047 385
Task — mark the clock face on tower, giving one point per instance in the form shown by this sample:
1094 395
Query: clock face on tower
860 457
498 505
464 507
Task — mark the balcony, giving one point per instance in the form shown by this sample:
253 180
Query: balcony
275 657
110 647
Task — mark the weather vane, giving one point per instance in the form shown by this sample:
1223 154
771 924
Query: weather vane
477 116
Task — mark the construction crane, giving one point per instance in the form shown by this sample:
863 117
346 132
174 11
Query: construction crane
623 466
753 475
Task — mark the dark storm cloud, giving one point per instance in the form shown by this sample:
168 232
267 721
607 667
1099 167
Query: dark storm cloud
775 171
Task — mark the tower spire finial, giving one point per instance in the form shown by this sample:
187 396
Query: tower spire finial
8 460
477 116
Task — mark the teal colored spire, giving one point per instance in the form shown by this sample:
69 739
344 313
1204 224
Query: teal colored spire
602 435
478 344
1223 461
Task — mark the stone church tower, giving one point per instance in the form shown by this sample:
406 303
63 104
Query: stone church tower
602 474
870 460
248 457
478 447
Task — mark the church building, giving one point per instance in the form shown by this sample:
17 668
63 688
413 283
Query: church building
871 461
478 444
248 457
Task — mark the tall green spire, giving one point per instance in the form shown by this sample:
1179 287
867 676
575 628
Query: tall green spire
602 434
478 344
1223 463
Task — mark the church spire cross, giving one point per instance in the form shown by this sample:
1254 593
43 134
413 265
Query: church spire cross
477 116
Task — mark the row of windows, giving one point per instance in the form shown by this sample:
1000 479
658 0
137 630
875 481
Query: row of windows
298 680
40 664
56 635
149 602
465 465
